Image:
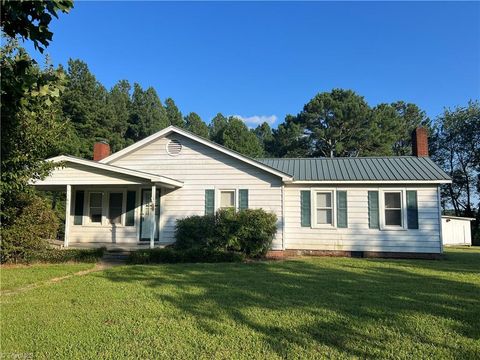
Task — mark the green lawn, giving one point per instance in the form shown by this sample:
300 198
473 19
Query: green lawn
12 278
305 308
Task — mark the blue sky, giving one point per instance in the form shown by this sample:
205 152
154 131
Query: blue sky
268 59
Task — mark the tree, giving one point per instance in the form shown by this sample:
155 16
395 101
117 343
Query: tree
337 123
31 124
237 137
264 134
84 102
216 127
195 124
30 19
457 151
173 114
410 117
147 114
289 140
118 100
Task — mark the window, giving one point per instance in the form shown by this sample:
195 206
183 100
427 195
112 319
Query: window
115 208
393 208
227 199
96 207
324 208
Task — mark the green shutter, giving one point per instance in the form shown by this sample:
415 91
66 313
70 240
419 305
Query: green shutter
412 209
130 215
342 213
305 208
209 202
78 213
242 199
373 221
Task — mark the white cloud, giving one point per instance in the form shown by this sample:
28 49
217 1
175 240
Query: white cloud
258 119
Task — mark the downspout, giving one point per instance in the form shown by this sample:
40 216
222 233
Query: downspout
440 219
283 216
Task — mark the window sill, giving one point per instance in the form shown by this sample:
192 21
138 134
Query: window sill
324 227
391 228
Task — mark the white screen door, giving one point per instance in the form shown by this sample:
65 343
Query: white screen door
146 224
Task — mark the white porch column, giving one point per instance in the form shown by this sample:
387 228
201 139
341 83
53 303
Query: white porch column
152 217
68 205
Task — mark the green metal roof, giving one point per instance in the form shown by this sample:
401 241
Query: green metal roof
393 168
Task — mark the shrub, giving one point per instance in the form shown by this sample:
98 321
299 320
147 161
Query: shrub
174 255
248 231
67 255
194 231
33 223
256 229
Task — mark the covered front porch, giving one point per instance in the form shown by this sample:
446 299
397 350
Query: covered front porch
108 206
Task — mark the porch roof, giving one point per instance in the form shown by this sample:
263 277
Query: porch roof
104 174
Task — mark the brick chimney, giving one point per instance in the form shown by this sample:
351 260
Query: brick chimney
420 142
101 150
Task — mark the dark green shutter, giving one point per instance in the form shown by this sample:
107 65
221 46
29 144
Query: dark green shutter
412 209
130 215
342 214
209 202
305 208
78 214
243 199
373 221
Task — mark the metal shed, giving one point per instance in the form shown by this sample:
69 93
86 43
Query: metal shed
456 230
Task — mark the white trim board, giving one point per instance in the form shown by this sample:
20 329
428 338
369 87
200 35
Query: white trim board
187 134
116 169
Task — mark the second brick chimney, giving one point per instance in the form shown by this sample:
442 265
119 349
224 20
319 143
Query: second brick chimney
420 142
101 150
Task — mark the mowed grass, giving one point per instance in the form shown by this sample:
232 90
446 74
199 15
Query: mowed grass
18 276
303 308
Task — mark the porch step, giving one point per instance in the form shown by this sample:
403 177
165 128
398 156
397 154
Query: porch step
115 257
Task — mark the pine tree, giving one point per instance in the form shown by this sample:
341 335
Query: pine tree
216 127
173 114
195 124
147 114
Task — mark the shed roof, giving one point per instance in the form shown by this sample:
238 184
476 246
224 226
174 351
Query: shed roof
360 169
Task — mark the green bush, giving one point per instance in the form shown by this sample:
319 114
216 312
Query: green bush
194 231
256 229
249 232
67 255
174 255
33 223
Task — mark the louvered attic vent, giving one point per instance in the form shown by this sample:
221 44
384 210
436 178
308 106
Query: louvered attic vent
174 147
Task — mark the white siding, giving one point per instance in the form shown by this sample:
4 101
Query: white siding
456 231
358 236
200 168
76 174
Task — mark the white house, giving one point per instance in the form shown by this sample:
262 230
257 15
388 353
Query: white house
456 230
376 206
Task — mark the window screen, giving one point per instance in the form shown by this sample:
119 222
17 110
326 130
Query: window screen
324 209
96 207
115 208
393 209
227 199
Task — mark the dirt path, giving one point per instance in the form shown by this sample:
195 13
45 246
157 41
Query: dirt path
98 267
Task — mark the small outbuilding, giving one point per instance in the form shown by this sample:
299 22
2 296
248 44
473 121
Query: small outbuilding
456 230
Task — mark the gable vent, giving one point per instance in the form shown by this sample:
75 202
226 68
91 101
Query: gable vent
174 147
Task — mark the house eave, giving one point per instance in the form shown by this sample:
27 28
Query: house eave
187 134
142 176
366 182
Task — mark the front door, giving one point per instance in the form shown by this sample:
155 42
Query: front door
146 211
